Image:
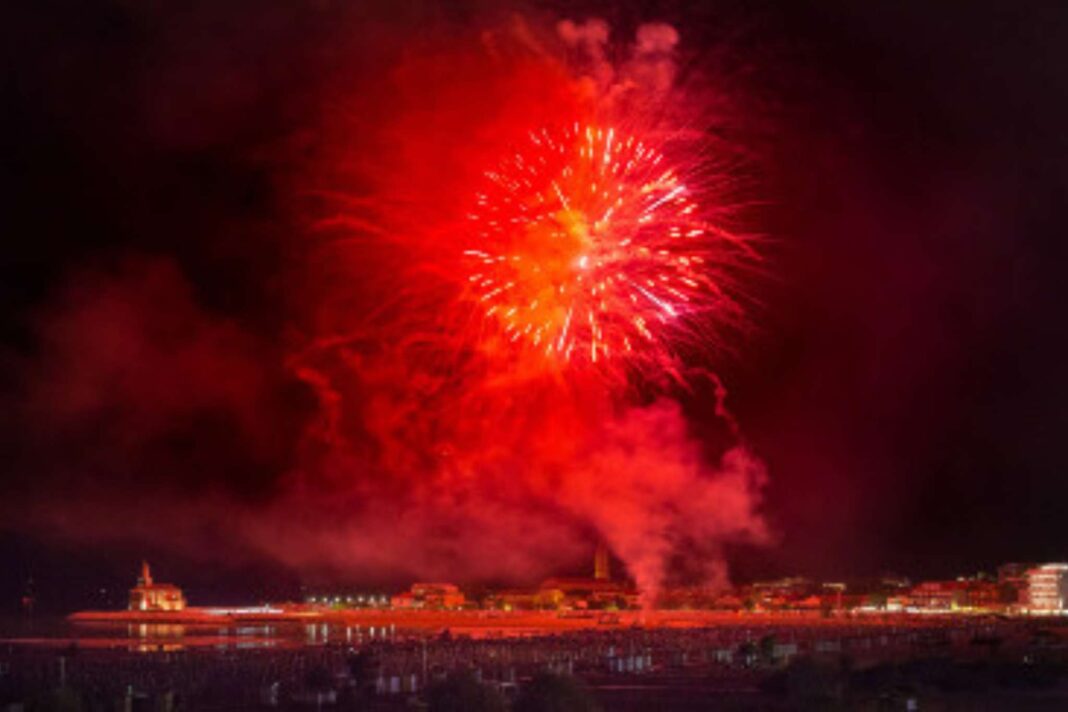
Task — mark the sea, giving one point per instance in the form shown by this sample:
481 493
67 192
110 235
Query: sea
59 632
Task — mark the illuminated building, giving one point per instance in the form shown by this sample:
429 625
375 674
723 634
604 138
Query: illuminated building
983 595
513 599
581 592
782 593
1047 588
574 592
938 595
148 595
431 596
832 593
977 593
1012 583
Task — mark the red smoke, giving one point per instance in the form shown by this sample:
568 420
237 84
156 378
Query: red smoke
429 449
427 405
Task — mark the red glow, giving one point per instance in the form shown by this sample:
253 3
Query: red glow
464 428
507 250
589 249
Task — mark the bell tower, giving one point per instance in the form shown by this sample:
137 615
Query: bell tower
601 572
145 579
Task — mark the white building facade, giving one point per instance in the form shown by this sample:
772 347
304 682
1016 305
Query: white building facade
1047 589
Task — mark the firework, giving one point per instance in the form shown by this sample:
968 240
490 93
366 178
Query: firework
590 248
519 258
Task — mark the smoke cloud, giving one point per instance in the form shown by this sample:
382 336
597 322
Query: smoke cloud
648 70
650 493
370 433
466 439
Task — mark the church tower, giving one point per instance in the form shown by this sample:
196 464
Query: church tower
601 571
145 579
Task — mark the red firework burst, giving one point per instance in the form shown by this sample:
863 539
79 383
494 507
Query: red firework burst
592 249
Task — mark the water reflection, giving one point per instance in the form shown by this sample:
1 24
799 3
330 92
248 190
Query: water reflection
169 637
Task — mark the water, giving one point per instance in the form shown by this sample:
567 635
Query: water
45 632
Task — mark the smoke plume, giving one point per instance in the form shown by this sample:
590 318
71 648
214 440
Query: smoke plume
372 432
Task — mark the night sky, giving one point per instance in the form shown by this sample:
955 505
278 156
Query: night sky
903 381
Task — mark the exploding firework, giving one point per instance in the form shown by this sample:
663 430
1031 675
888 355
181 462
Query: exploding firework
491 351
590 248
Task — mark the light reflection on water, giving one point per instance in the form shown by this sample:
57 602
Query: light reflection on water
167 637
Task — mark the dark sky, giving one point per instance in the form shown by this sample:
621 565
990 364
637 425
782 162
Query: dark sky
904 383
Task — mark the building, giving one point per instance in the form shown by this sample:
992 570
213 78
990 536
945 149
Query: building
832 594
983 595
962 594
514 599
148 595
599 591
1047 588
938 595
781 593
1012 583
434 596
580 592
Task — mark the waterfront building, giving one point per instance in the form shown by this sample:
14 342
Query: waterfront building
1047 588
148 595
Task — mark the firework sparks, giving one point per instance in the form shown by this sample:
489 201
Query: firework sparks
590 249
494 352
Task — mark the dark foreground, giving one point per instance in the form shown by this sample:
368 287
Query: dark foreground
768 664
